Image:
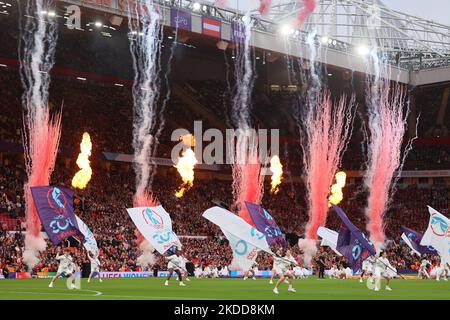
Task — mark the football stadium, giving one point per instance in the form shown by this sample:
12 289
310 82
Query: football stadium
224 150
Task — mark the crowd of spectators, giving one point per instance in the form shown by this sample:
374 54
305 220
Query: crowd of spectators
102 206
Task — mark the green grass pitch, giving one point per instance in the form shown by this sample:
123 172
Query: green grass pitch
204 289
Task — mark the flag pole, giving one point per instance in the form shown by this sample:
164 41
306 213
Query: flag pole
376 259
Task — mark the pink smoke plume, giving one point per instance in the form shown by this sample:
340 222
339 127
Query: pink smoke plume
247 179
387 124
308 8
328 128
264 6
41 146
220 3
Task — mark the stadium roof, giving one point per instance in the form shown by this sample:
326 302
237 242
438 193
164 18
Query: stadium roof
414 42
418 49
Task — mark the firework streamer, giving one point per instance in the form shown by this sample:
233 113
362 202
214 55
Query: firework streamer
145 47
264 6
41 131
327 128
386 129
246 164
246 170
308 8
244 78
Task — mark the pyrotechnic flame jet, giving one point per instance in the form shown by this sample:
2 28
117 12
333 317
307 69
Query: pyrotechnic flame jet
83 176
336 189
277 173
185 165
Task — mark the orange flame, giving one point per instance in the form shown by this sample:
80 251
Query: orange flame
82 177
277 173
185 167
336 189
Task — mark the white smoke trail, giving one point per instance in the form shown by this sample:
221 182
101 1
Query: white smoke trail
147 258
387 119
145 47
244 75
39 37
309 248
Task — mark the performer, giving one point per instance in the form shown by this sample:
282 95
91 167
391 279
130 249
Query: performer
253 269
95 267
183 260
273 272
445 267
283 260
423 268
65 269
367 267
382 269
174 264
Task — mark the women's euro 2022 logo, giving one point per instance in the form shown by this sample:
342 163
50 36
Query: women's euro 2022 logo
153 218
57 200
439 226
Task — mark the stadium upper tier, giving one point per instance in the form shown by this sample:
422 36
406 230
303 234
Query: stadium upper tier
344 32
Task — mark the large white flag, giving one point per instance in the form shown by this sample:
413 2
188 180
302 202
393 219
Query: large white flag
89 240
329 238
156 226
237 227
244 253
409 244
438 234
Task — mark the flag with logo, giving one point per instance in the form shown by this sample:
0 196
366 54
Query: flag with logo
244 253
412 239
329 238
54 205
238 34
89 241
266 224
438 234
211 27
352 243
156 226
180 19
236 226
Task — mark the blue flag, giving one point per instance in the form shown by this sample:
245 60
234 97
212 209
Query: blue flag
55 208
266 224
414 238
352 243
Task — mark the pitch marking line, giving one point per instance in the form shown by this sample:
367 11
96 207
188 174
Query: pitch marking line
98 293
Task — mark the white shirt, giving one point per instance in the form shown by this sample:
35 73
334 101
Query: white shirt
424 263
383 263
174 261
94 262
65 263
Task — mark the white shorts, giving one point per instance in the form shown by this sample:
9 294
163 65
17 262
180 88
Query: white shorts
173 266
367 269
380 273
64 272
282 271
95 268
